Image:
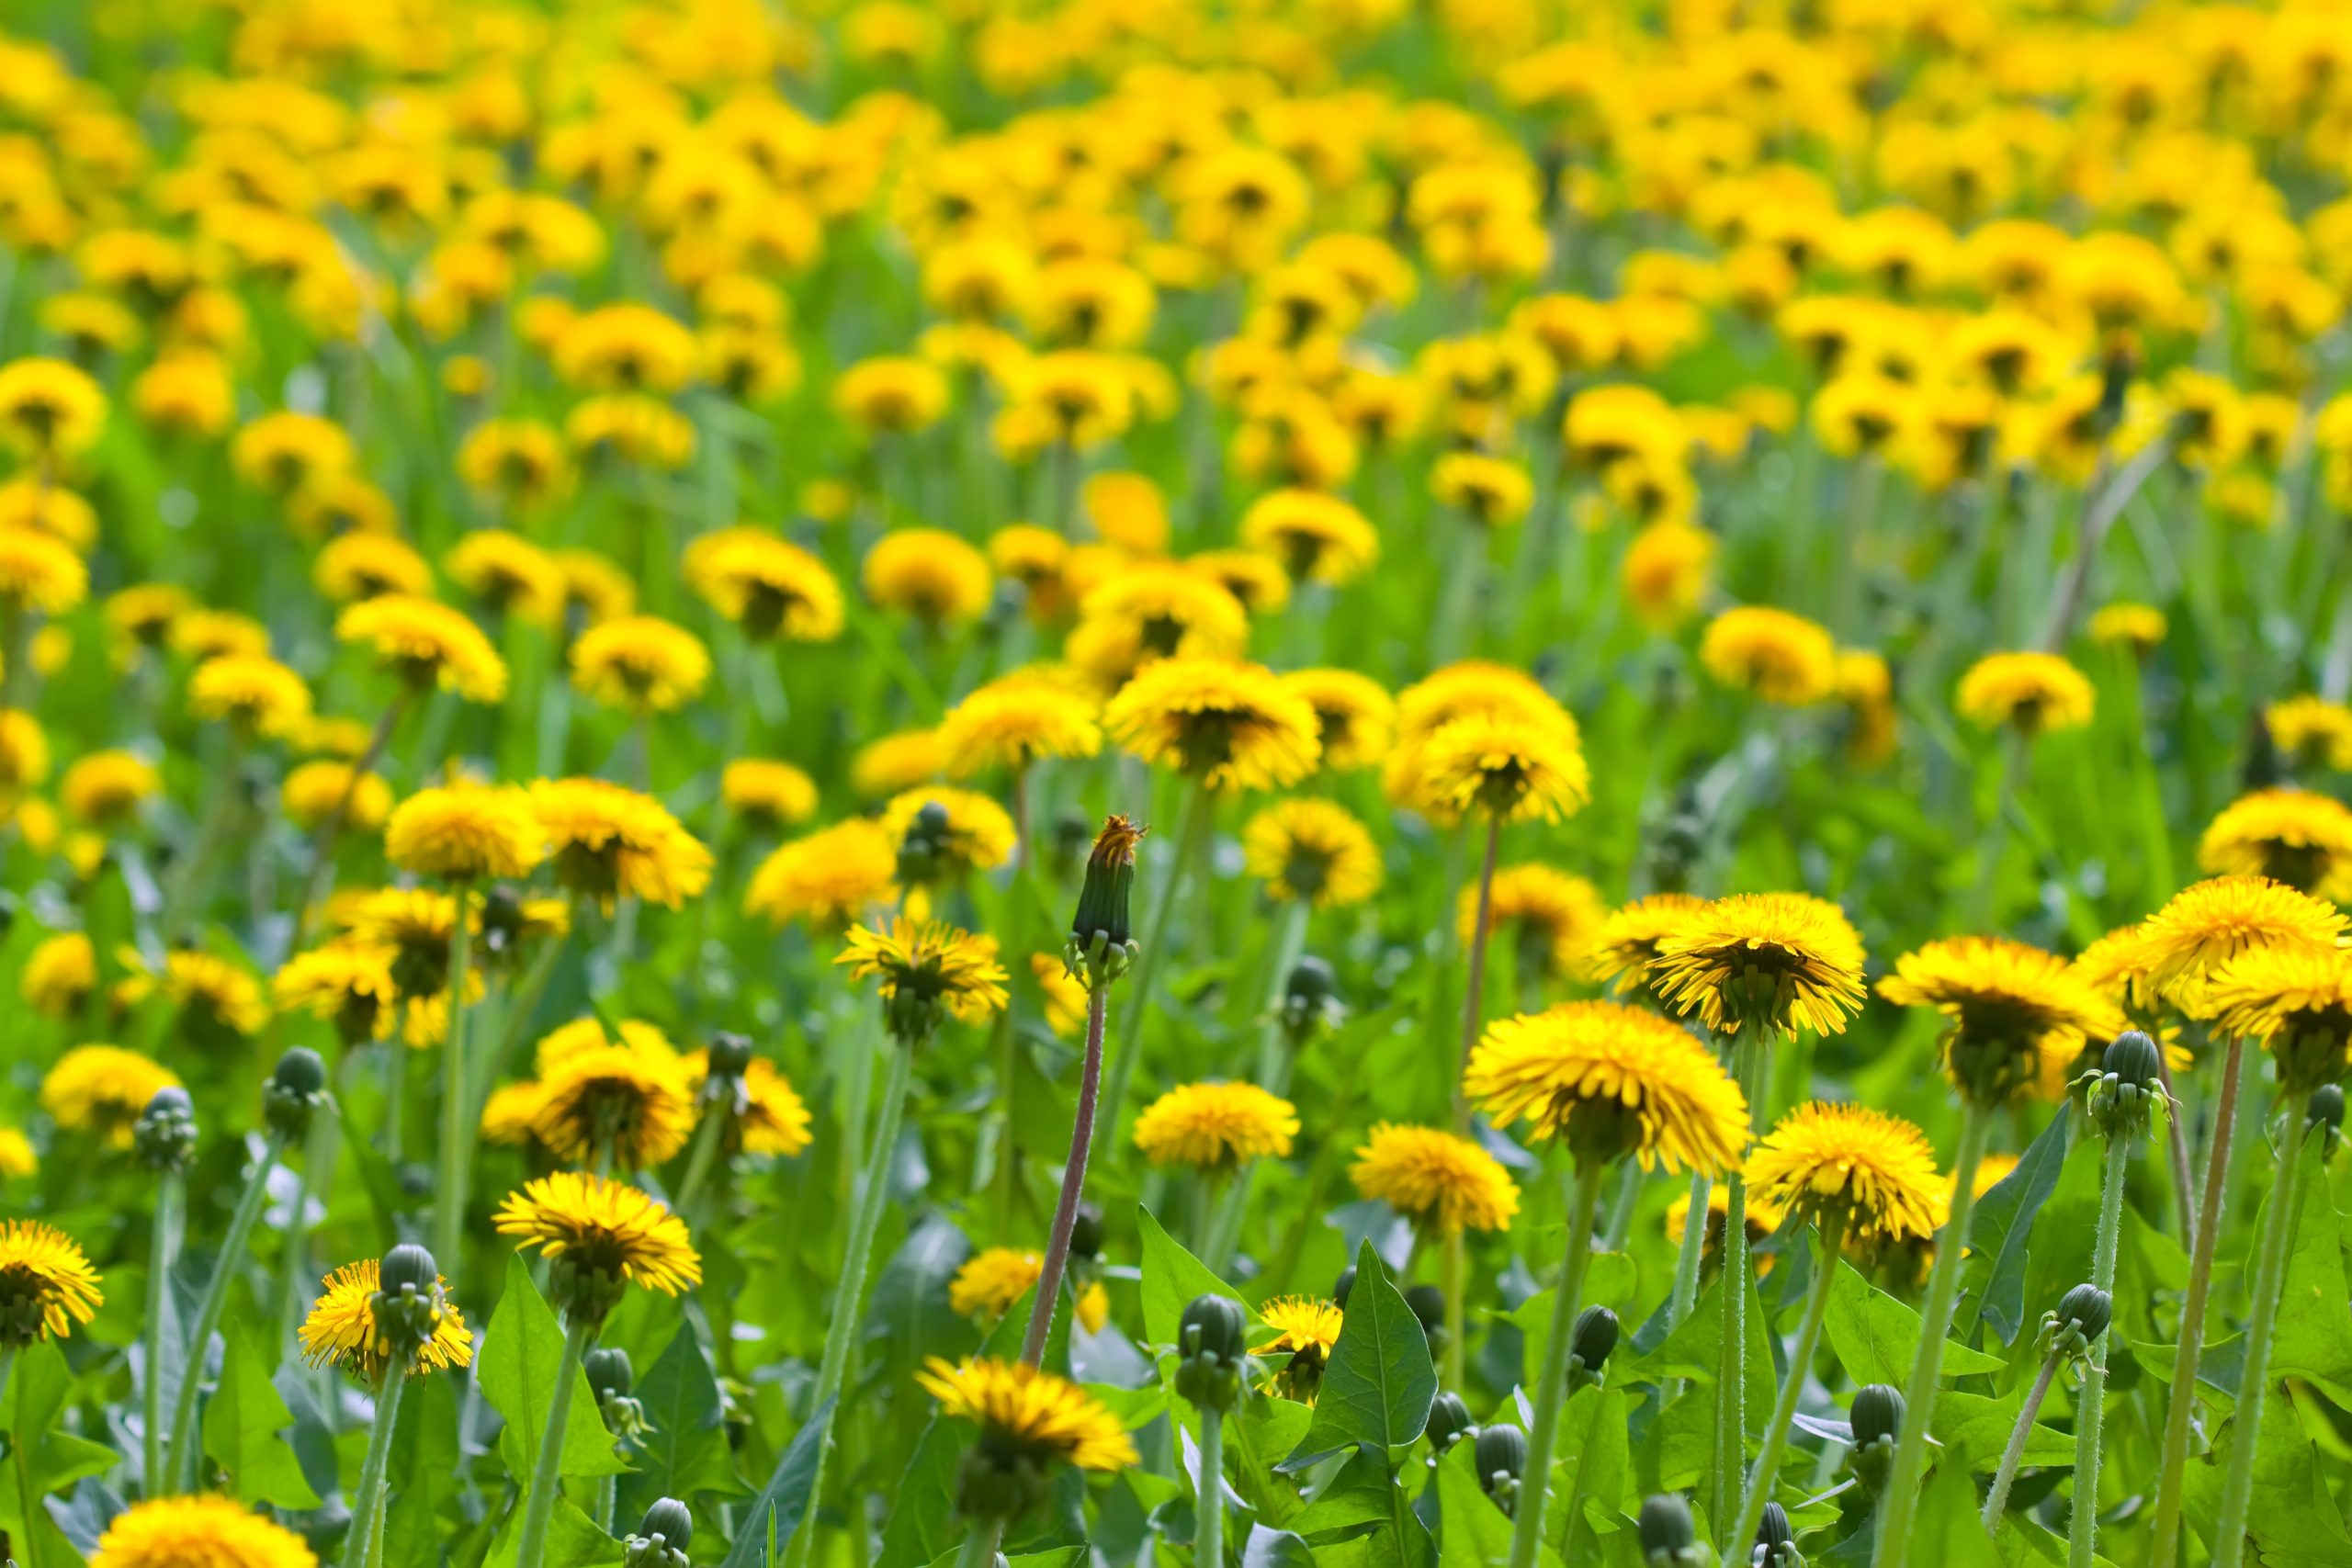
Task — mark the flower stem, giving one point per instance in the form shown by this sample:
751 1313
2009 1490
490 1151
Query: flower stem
1192 846
1208 1536
1527 1527
2254 1380
27 1493
978 1550
1900 1500
1453 1271
849 1295
547 1475
367 1503
169 1191
2172 1470
1081 1139
187 892
700 1158
2081 1532
1687 1260
1730 1384
1784 1409
181 1456
449 1187
1475 993
1996 1501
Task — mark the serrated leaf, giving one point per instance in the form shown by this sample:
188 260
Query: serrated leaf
520 1356
1379 1381
242 1424
1876 1336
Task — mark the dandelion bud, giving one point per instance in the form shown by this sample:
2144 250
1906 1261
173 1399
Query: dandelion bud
661 1540
1776 1544
1086 1232
502 922
1501 1454
296 1089
165 1135
1428 1304
1102 942
1212 1342
609 1377
1449 1422
2324 1111
1342 1285
730 1053
1877 1418
1670 1537
1591 1346
2074 1325
924 854
409 1300
2127 1084
1311 999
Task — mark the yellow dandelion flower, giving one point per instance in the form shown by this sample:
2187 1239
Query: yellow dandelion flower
1155 610
1780 657
831 877
633 1103
60 974
917 967
284 451
1860 1171
212 996
1665 573
197 633
1436 1179
2288 835
771 793
1316 537
1551 917
1215 1126
315 791
600 590
978 834
49 409
250 691
426 644
993 1280
105 788
1609 1079
2313 731
16 1156
610 842
603 1227
24 751
348 984
640 663
1355 718
1012 721
39 572
2297 1003
768 586
208 1532
898 761
1504 771
1035 1415
930 574
1312 850
102 1090
46 1283
1257 581
510 574
1306 1329
465 833
416 923
1231 725
770 1116
1471 689
340 1331
1065 1000
2206 924
145 612
368 566
2008 1005
2135 629
1780 960
2033 691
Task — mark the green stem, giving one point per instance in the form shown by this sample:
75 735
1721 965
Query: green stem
1900 1500
449 1188
1208 1539
1687 1260
1731 1383
849 1295
1192 844
169 1188
978 1550
28 1492
182 1453
1996 1501
1784 1408
2081 1532
187 886
2172 1474
2254 1380
367 1502
1527 1528
547 1475
708 1135
1475 992
1452 1274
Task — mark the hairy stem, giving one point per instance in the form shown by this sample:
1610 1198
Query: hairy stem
2254 1381
1081 1139
1784 1409
1996 1501
2081 1532
547 1475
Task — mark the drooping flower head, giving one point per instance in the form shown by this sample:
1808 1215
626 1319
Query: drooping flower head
344 1328
609 842
602 1235
1229 726
1213 1127
2008 1006
1609 1080
46 1283
204 1531
1864 1172
466 832
924 971
1778 961
2293 836
1030 1423
1314 851
1441 1182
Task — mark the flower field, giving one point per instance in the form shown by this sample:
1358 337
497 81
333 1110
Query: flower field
1291 783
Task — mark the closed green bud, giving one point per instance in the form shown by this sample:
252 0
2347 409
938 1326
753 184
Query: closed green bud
1776 1542
1670 1537
729 1054
1449 1422
661 1540
2127 1085
1343 1286
1877 1418
1427 1302
1311 1001
409 1300
925 854
1500 1455
1103 924
297 1090
1591 1344
2080 1317
609 1371
2324 1112
1212 1344
165 1135
1086 1232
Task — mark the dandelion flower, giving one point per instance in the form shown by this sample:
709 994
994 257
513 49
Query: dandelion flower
1862 1170
831 877
49 408
46 1283
1012 722
1316 537
921 967
1780 961
341 1329
769 586
2136 628
2292 835
1780 657
2008 1005
2033 691
2206 924
60 974
636 1104
977 835
640 663
772 793
605 1228
1355 718
896 762
1230 725
426 644
203 1531
1306 1327
1151 611
993 1280
2297 1003
103 789
510 574
1436 1179
1504 771
608 842
930 574
2313 731
39 572
213 997
465 833
102 1090
1312 850
1611 1079
250 691
770 1116
1215 1126
1034 1414
349 984
357 567
1472 689
1554 917
313 791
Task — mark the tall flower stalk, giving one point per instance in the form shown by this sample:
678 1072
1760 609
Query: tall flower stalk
166 1141
1191 853
450 1184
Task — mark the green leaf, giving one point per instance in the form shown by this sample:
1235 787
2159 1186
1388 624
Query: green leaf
1980 1428
1379 1382
1472 1531
781 1503
1611 1280
1171 1277
573 1541
1947 1530
1694 1351
2293 1519
1358 1496
1260 1430
1991 1280
242 1424
1595 1463
2308 1340
686 1452
520 1356
39 1383
1876 1336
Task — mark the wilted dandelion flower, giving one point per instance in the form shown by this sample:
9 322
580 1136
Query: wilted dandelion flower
831 877
2033 692
1355 718
609 842
349 984
1441 1182
2301 838
102 1090
1230 725
1552 917
603 1235
465 833
60 974
252 691
977 835
1213 1127
1504 769
1780 962
1307 1327
1312 850
1862 1171
2007 1004
426 644
930 574
1780 657
342 1331
922 970
103 789
204 1531
2297 1003
641 663
1012 721
46 1283
2204 925
2313 731
1608 1080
